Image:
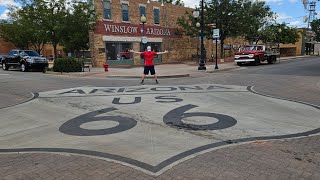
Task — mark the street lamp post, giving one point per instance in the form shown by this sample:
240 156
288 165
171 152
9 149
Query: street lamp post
143 21
203 55
196 16
279 32
201 24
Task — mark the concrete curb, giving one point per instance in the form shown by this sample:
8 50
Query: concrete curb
224 69
73 73
151 77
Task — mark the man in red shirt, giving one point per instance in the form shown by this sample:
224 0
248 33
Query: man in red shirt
148 62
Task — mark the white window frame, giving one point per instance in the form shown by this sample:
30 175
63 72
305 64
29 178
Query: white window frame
110 11
155 7
125 2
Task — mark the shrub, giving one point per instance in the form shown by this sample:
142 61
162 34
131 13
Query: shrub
67 64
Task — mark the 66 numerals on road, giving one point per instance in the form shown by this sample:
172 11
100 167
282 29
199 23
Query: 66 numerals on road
173 119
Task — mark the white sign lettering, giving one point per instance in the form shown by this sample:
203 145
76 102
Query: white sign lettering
110 28
121 29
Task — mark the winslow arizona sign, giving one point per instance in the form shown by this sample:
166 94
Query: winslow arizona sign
150 128
125 29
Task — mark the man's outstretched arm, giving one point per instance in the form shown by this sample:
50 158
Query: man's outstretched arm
163 52
135 51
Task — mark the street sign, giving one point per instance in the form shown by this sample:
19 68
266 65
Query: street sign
216 33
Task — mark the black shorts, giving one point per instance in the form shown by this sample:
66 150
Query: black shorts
149 68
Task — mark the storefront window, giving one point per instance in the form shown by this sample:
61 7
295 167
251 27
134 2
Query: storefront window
118 51
106 9
125 12
154 47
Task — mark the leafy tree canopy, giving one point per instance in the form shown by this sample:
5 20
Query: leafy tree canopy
12 32
55 21
279 33
234 18
315 26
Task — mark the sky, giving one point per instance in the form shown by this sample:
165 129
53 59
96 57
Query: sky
288 11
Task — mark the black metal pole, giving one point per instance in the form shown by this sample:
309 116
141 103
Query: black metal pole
202 61
144 45
198 45
216 67
279 49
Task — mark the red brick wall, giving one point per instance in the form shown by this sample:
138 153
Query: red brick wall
5 47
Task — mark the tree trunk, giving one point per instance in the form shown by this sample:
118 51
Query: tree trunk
221 47
54 51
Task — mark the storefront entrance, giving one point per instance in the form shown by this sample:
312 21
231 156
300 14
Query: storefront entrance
119 53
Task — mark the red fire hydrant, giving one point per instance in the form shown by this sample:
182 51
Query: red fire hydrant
105 65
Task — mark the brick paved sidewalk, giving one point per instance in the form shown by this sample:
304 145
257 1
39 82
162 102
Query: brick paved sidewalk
281 159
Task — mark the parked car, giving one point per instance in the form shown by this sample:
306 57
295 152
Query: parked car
25 60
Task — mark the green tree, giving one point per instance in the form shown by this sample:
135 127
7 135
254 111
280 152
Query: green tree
279 33
315 26
234 18
13 32
42 21
77 24
30 21
54 14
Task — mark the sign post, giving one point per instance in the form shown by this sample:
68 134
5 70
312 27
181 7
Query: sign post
216 35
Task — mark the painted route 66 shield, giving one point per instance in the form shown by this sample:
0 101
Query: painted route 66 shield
150 127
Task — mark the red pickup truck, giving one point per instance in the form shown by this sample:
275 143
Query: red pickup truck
255 54
126 54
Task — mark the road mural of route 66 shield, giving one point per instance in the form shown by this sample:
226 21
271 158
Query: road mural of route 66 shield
150 127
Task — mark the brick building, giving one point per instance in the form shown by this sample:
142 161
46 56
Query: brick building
119 28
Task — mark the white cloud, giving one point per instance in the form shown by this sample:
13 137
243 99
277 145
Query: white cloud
293 1
295 23
281 16
191 3
274 1
8 3
4 15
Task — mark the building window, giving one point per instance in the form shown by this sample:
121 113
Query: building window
142 10
118 51
106 9
125 12
156 15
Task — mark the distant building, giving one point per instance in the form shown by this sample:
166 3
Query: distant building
305 45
